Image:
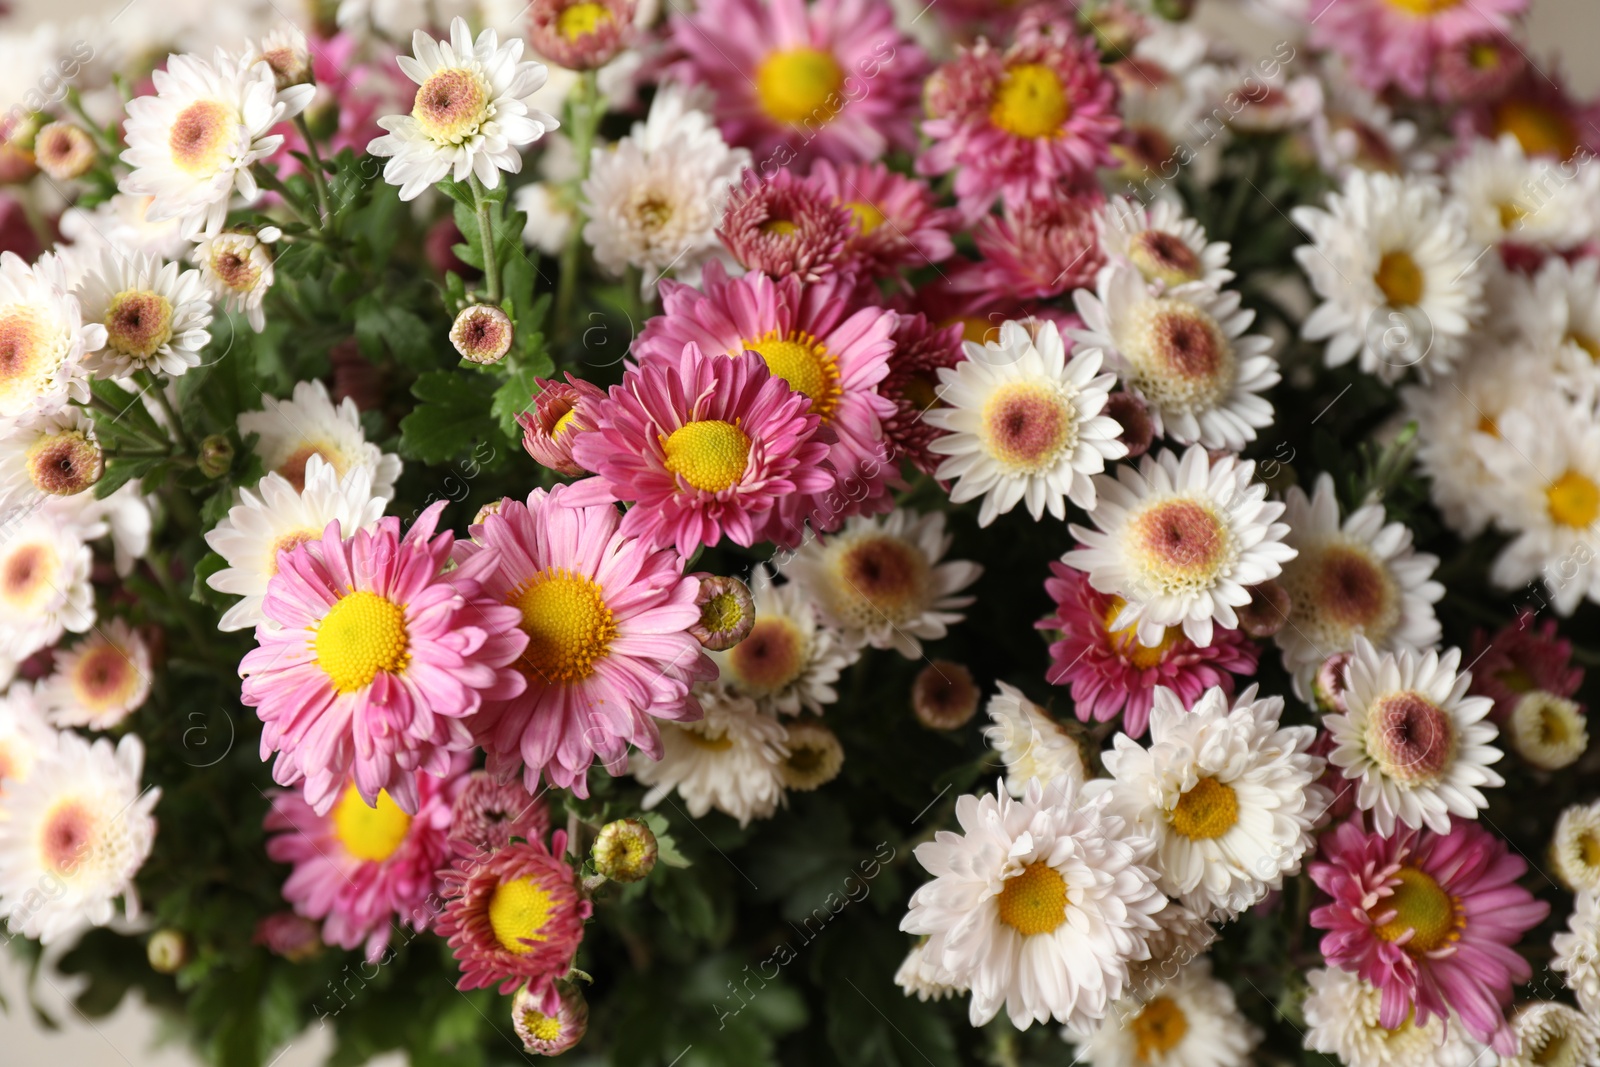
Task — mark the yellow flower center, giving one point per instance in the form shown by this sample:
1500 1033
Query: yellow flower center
1573 500
1400 279
67 837
1126 642
878 578
25 578
1158 1028
361 635
1027 426
722 613
29 356
451 105
1589 849
1554 728
1590 346
1424 8
1035 901
1207 811
781 227
1511 213
581 20
568 624
1421 905
710 455
868 217
235 265
1030 102
1180 545
139 322
1540 130
977 329
803 362
369 833
771 657
200 136
104 678
63 464
543 1027
795 85
710 742
518 912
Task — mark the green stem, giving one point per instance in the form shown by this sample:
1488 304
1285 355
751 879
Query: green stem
135 453
585 108
491 263
269 180
117 426
103 140
318 179
173 422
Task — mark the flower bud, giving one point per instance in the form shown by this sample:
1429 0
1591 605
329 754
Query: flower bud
815 756
283 933
1267 611
482 334
553 1024
216 456
168 950
580 34
63 151
1548 731
285 51
944 696
1134 418
624 850
727 613
1329 685
65 459
17 164
558 416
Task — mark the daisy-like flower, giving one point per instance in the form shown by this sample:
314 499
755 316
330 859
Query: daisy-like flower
1181 541
1559 311
1354 130
1396 42
921 350
1022 423
154 317
274 518
1400 279
1519 659
1180 937
606 619
783 225
122 224
788 661
918 977
289 432
1537 108
1033 745
48 455
1341 1012
703 446
1575 848
1229 797
1547 731
1552 1034
1111 672
881 582
1037 249
192 144
944 695
580 34
557 417
1163 244
814 758
797 82
731 759
487 814
1191 1021
63 151
44 584
26 739
1577 951
468 118
236 267
1430 919
1037 906
80 825
44 337
99 681
1185 353
378 658
897 221
1512 199
727 612
364 869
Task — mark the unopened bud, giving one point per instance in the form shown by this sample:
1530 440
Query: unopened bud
1329 685
482 334
624 850
65 461
1173 10
944 696
579 34
216 456
63 151
550 1024
815 756
1134 417
286 53
168 951
727 613
1267 611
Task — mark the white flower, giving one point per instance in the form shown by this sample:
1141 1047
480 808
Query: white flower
1577 951
121 224
731 760
277 517
468 118
191 146
1342 1020
1355 131
1552 1034
815 755
1181 541
1167 247
1361 577
99 681
1558 313
1192 1021
1185 352
1575 848
788 661
1181 936
1032 744
880 582
44 585
1024 423
25 739
1401 282
289 432
1548 731
124 516
1228 796
1416 743
920 978
44 337
34 449
77 832
155 318
550 217
237 269
1037 906
1511 198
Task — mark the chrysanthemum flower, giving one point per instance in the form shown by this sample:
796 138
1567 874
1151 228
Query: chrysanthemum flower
1037 249
1111 672
1430 919
25 738
814 758
1547 731
1033 746
1538 108
44 584
727 612
556 1032
1342 1012
154 317
788 661
381 658
1558 311
1520 658
917 976
1037 906
703 446
361 869
468 117
1575 848
606 620
921 349
289 432
283 933
730 759
580 34
99 681
44 336
796 82
482 334
121 223
1397 42
897 221
1166 246
1577 951
486 814
556 419
1354 130
63 151
1552 1034
1478 68
1180 937
237 267
1522 203
784 225
48 455
1191 1021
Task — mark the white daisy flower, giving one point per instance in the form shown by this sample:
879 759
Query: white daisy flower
155 318
1181 541
789 661
25 738
1037 905
731 759
192 144
237 269
1356 131
920 978
1361 577
550 216
1401 282
1575 848
815 755
284 49
1559 311
1032 744
49 455
1511 198
1192 1021
1167 247
277 517
1577 952
880 582
1182 936
122 224
1185 353
1228 796
1548 731
44 585
44 337
99 681
468 118
1416 743
81 825
1552 1034
289 432
1341 1014
1022 422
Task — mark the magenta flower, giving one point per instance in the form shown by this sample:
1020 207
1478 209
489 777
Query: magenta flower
1037 249
1518 660
895 221
920 350
556 419
377 659
1540 111
1430 920
785 225
1397 42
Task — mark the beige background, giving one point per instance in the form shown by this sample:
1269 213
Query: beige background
129 1038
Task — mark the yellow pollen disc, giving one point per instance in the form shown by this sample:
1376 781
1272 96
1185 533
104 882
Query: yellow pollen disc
1400 279
1540 130
1035 901
543 1027
710 455
1573 500
1590 346
1420 904
803 362
139 322
288 543
1553 729
1180 544
781 227
1589 850
1488 425
709 742
1510 214
1483 56
1207 811
568 625
580 20
795 85
451 105
1158 1028
201 135
868 218
518 912
369 833
1126 642
772 656
1424 7
361 635
1030 102
722 613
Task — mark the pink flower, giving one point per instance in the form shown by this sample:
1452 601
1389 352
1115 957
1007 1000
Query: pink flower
1037 249
360 867
896 221
608 651
920 350
558 416
283 933
704 447
1520 659
1110 671
1540 112
1430 920
1397 42
580 37
399 655
1477 68
796 82
785 225
488 813
1023 122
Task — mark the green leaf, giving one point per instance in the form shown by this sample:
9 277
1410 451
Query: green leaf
667 850
448 422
